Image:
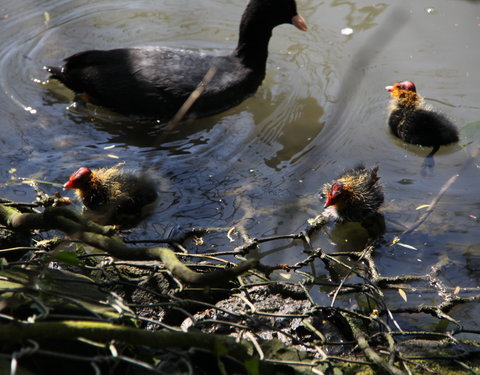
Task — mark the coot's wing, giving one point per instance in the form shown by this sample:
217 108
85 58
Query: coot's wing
157 80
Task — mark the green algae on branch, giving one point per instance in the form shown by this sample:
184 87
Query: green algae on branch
102 238
106 332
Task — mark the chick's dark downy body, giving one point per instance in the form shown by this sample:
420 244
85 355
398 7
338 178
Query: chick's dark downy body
156 81
113 196
412 121
354 196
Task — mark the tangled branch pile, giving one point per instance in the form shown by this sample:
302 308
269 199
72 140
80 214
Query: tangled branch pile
86 298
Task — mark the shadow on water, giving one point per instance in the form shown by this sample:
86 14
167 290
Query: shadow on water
352 78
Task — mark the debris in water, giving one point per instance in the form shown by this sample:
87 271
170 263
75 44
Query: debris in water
422 206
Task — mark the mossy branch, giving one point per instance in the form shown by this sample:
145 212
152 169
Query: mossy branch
106 332
382 366
102 238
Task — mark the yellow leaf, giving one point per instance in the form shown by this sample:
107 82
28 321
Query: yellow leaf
422 206
395 240
46 16
229 234
113 156
402 294
407 246
457 290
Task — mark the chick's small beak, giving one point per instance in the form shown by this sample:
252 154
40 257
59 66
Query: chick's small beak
299 23
328 202
389 88
68 185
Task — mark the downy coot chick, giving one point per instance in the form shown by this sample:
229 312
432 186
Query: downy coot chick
113 196
156 81
412 121
355 196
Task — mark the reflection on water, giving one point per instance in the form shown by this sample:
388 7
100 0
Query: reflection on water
321 109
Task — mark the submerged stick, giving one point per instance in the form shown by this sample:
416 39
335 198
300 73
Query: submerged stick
191 99
442 191
432 204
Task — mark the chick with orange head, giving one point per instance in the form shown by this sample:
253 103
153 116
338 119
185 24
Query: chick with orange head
355 196
113 196
414 122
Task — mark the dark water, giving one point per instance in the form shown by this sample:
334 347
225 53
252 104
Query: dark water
321 109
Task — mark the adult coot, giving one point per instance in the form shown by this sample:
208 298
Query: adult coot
113 196
412 121
355 196
156 81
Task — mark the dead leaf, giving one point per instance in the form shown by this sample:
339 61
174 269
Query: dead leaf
422 206
198 240
402 294
407 246
229 234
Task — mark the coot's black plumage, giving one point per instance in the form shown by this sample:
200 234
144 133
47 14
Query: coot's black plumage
414 122
156 81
